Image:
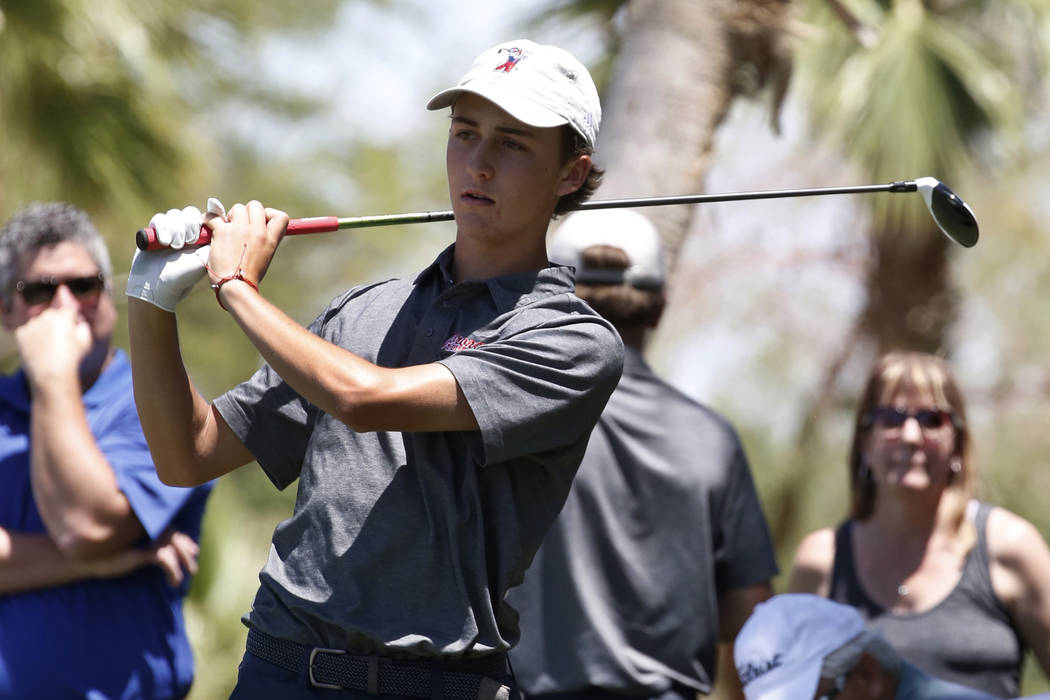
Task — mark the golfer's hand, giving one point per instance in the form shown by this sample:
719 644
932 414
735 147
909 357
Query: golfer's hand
245 242
164 277
51 346
176 228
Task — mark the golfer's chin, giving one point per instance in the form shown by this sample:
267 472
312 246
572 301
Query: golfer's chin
477 222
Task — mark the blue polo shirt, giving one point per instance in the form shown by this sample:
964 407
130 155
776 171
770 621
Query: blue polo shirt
101 638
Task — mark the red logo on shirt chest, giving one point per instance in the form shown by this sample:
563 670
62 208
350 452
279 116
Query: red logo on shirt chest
458 342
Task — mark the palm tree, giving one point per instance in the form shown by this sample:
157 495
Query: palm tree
917 89
675 67
105 104
680 66
98 101
908 87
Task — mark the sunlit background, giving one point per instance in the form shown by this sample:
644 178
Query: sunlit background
777 307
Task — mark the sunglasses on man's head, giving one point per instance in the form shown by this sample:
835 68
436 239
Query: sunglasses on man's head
43 290
892 417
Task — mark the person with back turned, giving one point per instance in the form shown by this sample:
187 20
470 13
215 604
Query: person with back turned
661 550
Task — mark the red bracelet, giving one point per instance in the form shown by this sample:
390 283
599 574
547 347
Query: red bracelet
239 275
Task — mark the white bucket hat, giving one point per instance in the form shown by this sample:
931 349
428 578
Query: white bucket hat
540 85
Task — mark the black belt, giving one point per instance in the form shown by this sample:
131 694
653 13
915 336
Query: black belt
470 679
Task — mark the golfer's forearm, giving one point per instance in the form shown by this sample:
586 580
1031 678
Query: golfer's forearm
364 396
329 377
174 415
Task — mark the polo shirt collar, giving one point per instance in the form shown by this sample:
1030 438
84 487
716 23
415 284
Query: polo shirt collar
507 291
441 269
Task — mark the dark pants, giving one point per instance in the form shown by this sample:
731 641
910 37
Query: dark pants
258 679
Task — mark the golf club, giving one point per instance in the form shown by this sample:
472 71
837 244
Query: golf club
951 214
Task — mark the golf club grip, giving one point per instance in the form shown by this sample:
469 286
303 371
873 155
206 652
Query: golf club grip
146 238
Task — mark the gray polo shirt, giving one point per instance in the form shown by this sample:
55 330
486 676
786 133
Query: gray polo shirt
663 517
405 543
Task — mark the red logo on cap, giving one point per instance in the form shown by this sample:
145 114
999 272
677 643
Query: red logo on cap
513 56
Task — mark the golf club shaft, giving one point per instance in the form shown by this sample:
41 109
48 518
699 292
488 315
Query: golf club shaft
146 238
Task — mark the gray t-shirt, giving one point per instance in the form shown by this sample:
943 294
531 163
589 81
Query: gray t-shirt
405 543
662 517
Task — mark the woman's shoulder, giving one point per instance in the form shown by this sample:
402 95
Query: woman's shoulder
1019 559
819 542
1009 535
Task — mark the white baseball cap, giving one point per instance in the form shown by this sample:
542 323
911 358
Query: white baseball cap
780 650
541 85
626 229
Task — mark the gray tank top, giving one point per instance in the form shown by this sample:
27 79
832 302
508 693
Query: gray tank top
967 638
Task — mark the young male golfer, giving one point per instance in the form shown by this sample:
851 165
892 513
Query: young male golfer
434 423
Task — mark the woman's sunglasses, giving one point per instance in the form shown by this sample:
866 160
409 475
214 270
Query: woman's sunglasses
928 418
42 291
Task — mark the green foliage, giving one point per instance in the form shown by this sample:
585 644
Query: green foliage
108 100
918 89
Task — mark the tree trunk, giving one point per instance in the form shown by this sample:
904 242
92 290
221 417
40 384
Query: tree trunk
675 76
670 88
911 302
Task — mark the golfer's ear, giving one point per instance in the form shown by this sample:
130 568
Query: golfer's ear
574 174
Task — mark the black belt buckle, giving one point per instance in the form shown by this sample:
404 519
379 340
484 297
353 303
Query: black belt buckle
310 667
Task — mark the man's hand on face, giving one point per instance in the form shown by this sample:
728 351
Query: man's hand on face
52 344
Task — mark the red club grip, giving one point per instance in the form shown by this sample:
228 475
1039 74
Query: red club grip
146 239
313 224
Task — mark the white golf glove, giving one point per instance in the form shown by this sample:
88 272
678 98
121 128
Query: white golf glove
176 228
164 277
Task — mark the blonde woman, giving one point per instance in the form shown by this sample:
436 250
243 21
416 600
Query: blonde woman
959 587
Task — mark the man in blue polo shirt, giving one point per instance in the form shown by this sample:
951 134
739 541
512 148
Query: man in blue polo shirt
95 552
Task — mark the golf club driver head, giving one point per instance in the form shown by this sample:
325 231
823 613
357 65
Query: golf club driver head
952 215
